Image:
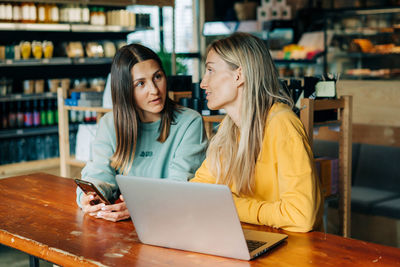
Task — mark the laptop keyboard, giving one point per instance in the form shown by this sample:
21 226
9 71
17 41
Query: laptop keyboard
252 244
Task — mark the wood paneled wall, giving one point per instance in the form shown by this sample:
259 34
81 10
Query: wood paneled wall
376 111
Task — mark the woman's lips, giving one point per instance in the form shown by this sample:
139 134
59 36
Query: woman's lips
156 101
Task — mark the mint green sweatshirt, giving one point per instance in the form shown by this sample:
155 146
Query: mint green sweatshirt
177 158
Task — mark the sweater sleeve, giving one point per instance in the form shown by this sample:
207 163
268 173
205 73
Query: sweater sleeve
98 170
190 152
203 175
299 198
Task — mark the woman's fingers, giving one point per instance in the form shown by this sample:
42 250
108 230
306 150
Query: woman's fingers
113 216
116 212
115 207
87 207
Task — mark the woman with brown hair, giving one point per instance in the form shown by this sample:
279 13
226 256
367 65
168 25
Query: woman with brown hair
146 134
261 150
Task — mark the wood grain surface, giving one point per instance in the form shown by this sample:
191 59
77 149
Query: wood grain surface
38 215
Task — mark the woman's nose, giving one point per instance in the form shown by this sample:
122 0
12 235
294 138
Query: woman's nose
153 88
203 83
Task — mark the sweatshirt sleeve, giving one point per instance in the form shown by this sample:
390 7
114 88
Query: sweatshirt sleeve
190 151
299 197
98 170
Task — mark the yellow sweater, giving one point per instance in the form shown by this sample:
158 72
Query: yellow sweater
287 193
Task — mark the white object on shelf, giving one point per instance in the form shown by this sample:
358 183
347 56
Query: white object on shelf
84 137
285 12
264 13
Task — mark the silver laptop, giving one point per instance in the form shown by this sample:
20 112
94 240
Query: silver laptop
191 216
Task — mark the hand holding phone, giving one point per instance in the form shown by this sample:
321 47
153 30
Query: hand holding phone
89 188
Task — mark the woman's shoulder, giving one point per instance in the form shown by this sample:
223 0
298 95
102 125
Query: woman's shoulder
184 114
108 117
282 117
279 111
107 120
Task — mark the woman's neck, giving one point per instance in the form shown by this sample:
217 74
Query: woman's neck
234 113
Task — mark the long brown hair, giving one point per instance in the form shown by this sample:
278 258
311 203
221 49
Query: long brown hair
231 161
126 118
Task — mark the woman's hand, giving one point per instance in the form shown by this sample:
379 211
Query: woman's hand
115 212
91 203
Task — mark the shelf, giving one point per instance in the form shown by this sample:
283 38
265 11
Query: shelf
91 61
34 165
369 55
114 3
76 163
95 109
327 123
363 32
54 61
295 61
68 27
361 11
105 28
33 131
34 27
369 77
25 97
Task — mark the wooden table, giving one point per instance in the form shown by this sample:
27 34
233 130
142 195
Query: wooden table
38 215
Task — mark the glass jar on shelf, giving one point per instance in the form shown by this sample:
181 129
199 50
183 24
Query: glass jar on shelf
17 13
32 13
41 13
54 14
25 49
37 51
48 49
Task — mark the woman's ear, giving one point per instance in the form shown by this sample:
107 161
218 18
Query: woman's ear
239 78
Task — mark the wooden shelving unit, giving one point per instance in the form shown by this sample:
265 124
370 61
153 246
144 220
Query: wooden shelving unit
344 137
63 131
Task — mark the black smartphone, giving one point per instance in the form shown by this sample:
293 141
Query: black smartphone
88 188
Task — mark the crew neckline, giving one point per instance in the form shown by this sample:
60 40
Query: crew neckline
150 125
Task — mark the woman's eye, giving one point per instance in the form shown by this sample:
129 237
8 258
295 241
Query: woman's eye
158 76
139 84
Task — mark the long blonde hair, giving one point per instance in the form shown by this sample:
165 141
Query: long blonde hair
126 119
233 151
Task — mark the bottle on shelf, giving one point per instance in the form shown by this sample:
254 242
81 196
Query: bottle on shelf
50 113
41 13
39 147
9 11
36 114
4 115
101 16
47 10
21 148
43 113
93 16
85 15
20 115
55 16
3 17
25 12
55 111
17 12
32 13
28 115
12 115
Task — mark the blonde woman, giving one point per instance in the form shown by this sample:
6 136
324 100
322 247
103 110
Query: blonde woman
147 134
261 150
